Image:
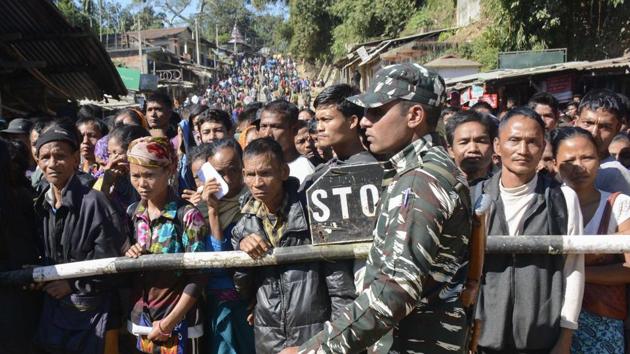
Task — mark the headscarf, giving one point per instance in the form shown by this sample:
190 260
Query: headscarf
242 138
143 119
152 151
100 150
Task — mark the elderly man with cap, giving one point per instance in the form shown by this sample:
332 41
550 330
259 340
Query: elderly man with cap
417 265
77 223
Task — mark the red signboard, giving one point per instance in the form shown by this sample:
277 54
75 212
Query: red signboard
561 87
491 98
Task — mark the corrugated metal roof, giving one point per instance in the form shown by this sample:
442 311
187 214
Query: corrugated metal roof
374 54
150 35
505 74
451 61
160 32
404 38
43 58
377 46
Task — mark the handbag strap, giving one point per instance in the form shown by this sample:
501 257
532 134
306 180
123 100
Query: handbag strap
605 220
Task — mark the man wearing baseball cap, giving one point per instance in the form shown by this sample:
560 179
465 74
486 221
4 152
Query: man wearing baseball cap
19 129
417 265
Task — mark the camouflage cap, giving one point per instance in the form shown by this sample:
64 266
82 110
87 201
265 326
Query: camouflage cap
411 82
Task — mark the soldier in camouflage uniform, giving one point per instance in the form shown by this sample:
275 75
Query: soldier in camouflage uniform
417 265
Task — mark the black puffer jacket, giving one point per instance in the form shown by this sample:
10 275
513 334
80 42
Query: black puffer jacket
292 301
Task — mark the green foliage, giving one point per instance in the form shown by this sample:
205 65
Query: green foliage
360 20
282 34
590 30
224 14
321 29
310 28
148 19
486 47
257 28
72 13
109 16
261 4
434 14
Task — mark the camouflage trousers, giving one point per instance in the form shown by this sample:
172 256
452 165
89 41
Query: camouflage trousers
432 332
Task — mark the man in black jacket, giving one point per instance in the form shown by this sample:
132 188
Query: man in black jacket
292 302
77 224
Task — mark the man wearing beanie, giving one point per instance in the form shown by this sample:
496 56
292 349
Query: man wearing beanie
76 223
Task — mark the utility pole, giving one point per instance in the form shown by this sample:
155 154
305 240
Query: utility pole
216 43
140 47
197 39
100 20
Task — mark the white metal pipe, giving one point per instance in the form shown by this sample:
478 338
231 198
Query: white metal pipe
541 244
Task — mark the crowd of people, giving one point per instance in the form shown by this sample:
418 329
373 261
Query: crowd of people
255 79
80 188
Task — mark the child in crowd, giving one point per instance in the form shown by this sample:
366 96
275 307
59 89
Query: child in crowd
165 316
91 130
114 181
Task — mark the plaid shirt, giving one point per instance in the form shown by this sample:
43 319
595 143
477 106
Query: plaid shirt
273 224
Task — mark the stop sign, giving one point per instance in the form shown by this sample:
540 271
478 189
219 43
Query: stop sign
342 203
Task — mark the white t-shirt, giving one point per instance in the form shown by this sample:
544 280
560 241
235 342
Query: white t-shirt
612 177
516 201
300 168
620 213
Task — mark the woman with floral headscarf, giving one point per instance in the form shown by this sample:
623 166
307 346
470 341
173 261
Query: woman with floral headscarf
165 316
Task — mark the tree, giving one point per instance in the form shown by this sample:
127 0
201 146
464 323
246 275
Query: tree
149 19
72 13
222 15
360 20
114 18
589 29
311 29
323 28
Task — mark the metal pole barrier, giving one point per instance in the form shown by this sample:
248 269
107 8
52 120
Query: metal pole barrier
196 260
532 244
543 244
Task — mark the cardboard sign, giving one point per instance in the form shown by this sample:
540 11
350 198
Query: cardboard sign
342 204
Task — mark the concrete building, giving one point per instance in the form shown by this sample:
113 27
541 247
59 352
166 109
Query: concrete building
450 66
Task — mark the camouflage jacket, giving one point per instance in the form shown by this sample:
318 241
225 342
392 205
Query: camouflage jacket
418 261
